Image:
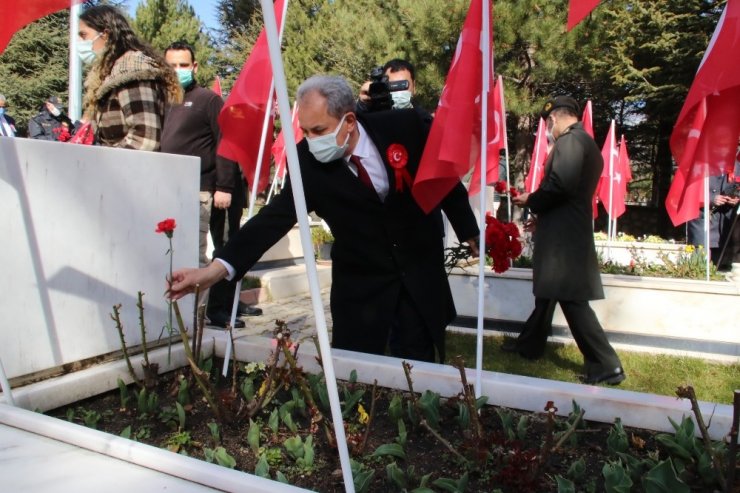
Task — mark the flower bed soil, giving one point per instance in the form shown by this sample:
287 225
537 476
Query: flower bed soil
507 457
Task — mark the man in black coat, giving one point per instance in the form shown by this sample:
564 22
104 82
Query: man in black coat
49 122
565 268
389 286
723 203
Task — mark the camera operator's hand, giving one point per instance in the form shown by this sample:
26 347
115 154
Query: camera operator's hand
473 244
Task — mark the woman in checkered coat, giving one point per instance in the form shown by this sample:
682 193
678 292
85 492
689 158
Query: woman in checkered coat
128 85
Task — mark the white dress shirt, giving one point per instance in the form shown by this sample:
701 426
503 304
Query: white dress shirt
371 161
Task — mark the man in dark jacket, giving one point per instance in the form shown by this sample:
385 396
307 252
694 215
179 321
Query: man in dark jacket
389 286
565 268
50 123
191 128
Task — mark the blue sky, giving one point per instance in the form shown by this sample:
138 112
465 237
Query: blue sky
204 9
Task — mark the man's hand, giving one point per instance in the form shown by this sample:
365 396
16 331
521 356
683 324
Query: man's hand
473 244
530 225
183 281
520 200
221 200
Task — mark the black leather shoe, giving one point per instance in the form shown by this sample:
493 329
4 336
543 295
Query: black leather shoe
611 378
250 311
221 319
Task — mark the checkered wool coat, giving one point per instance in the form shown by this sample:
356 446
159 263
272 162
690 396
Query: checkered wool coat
130 104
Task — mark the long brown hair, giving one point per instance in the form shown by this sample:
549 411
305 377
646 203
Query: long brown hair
121 38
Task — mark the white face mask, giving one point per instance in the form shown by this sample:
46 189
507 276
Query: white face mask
85 49
401 100
325 148
54 110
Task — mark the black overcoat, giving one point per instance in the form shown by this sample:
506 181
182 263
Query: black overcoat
379 247
565 266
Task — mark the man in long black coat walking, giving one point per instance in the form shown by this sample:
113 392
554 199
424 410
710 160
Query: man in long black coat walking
565 268
389 286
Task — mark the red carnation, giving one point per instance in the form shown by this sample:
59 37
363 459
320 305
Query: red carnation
502 243
501 186
167 227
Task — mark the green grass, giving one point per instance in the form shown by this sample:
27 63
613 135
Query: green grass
646 372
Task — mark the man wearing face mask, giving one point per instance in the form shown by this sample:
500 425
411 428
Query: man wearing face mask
389 286
398 69
50 122
191 128
565 268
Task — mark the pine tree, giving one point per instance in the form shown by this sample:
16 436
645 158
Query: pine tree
162 22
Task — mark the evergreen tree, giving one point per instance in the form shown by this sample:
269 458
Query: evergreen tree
162 22
34 66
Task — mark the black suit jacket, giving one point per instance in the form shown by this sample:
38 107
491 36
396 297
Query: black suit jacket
379 247
565 266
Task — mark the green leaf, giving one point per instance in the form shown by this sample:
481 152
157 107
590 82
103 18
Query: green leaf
362 476
395 475
662 479
402 434
577 469
430 407
673 447
395 408
294 446
565 485
180 415
215 433
281 478
253 436
521 427
123 393
480 402
126 433
262 469
617 440
224 459
288 420
393 449
616 479
273 422
308 453
183 394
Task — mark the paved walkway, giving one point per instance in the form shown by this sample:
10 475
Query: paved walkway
297 312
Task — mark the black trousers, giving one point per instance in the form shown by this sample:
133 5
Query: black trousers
598 355
221 294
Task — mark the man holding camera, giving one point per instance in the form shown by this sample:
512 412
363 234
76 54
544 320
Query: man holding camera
389 286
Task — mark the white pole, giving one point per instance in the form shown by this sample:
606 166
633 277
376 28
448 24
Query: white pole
610 231
253 197
302 215
5 385
500 85
75 65
485 88
707 214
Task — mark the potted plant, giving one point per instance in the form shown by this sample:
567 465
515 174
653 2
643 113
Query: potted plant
322 240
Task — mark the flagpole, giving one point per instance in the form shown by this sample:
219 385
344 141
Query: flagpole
74 92
253 195
707 214
500 84
302 216
610 230
485 87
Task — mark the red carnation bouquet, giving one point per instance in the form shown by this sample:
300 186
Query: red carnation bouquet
502 243
503 188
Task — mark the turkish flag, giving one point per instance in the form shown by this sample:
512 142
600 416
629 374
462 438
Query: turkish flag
15 14
497 140
588 119
216 86
278 148
539 156
578 10
610 154
243 115
620 176
705 137
454 144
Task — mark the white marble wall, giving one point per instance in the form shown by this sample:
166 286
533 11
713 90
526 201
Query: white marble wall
78 237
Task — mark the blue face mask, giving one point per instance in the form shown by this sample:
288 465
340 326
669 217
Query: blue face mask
325 148
185 76
401 100
85 49
2 111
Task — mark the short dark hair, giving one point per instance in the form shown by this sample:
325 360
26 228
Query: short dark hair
397 64
181 46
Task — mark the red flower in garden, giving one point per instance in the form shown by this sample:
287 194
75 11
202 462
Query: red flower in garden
502 243
167 227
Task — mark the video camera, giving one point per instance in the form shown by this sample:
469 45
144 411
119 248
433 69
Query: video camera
380 91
